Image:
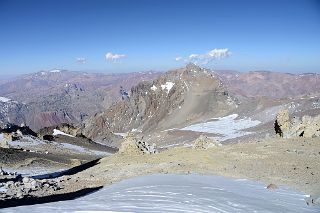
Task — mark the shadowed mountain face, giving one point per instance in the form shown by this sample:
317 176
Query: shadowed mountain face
52 97
175 98
270 84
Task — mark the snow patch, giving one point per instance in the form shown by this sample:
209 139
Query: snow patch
58 132
122 134
154 88
5 100
69 146
168 86
181 193
26 142
55 71
226 126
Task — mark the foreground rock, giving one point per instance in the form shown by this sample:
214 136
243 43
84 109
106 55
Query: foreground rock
203 142
132 146
6 176
307 127
29 187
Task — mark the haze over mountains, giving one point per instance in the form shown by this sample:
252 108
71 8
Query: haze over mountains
270 84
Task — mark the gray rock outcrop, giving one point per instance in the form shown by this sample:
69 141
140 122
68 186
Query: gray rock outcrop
29 187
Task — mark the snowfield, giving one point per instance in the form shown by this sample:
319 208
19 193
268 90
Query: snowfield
168 86
5 100
181 193
228 127
55 71
154 88
58 132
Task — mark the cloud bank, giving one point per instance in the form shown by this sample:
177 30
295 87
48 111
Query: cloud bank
114 57
215 54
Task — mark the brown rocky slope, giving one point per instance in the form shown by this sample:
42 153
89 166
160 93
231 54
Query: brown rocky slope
178 97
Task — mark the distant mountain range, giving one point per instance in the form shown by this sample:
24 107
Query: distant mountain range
270 84
48 98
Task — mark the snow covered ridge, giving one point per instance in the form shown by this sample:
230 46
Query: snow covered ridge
228 127
58 132
55 71
181 193
168 86
154 88
5 100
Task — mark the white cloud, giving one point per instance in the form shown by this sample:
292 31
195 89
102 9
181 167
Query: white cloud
178 58
114 57
215 54
81 60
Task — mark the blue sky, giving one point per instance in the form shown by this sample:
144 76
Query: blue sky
150 35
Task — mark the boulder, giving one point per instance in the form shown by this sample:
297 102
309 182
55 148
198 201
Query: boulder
313 200
307 127
282 123
203 142
4 144
272 186
132 146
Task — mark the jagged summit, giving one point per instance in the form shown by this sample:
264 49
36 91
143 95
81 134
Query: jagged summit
177 97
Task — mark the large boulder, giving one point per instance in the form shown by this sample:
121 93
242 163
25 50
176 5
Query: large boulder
307 127
4 144
282 123
132 146
203 142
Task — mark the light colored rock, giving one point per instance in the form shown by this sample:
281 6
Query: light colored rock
129 146
25 180
19 194
203 142
133 146
313 200
307 127
75 162
282 123
4 144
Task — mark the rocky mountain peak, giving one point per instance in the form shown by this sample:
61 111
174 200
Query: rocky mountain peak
174 98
